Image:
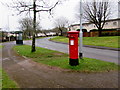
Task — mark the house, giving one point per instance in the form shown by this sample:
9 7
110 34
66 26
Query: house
109 24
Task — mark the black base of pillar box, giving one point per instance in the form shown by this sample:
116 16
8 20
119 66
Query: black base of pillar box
73 62
80 55
20 42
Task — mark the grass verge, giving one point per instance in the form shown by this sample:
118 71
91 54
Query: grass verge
58 59
6 81
110 41
1 46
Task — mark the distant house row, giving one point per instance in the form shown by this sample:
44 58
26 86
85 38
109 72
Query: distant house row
109 24
11 36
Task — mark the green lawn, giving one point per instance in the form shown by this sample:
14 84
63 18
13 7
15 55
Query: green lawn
6 81
58 59
111 41
1 46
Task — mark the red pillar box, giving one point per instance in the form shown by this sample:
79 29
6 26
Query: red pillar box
73 48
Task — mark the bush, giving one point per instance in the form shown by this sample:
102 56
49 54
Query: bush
110 34
93 30
84 30
104 30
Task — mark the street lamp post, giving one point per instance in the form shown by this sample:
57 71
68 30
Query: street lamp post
80 33
8 29
9 24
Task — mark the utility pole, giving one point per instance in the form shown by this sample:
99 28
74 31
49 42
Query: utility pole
80 33
8 17
8 29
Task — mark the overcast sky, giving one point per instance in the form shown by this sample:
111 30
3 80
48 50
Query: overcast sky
8 17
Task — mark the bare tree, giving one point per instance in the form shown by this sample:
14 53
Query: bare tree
26 25
61 23
96 12
36 6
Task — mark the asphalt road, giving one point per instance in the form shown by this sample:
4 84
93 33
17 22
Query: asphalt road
29 74
102 54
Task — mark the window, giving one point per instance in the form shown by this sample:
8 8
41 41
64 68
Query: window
114 23
106 23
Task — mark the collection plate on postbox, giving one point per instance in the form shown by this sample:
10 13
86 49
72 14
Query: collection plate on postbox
71 42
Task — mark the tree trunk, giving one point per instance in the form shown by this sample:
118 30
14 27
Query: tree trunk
61 34
45 34
34 27
100 32
33 43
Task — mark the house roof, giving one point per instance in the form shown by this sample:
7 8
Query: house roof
91 23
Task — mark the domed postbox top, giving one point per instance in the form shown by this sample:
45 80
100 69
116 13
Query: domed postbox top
73 32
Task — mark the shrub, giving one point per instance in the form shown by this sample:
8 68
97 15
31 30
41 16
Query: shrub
84 30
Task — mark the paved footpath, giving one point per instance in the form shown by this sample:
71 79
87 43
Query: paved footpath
29 74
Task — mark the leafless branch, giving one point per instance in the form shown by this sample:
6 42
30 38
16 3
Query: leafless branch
97 13
35 8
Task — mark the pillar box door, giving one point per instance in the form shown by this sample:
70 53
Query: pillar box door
73 48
